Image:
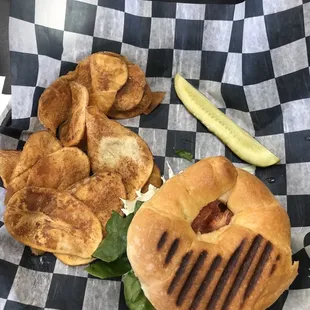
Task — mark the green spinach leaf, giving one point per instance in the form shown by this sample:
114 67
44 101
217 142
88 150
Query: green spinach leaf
134 296
138 205
105 270
184 154
114 244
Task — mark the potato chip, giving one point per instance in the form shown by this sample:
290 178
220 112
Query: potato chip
52 221
108 73
73 260
82 74
103 100
72 130
124 58
38 145
16 184
116 148
157 98
8 161
101 193
54 104
154 179
60 169
139 109
130 95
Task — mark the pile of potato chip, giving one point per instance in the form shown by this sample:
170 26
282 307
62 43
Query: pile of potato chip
65 183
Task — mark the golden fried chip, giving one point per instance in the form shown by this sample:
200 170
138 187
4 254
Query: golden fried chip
124 58
154 179
60 169
72 130
130 95
108 73
101 193
157 98
16 184
52 221
8 161
116 148
103 100
82 73
38 145
73 260
139 109
54 104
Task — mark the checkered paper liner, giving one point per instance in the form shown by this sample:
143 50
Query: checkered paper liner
252 59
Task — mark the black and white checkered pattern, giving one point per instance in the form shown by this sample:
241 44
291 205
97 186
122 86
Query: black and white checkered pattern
252 58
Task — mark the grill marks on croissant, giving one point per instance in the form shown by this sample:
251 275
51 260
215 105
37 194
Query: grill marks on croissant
256 258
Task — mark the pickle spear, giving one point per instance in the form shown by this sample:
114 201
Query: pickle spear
237 139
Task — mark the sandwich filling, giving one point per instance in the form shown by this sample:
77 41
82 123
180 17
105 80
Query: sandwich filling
213 216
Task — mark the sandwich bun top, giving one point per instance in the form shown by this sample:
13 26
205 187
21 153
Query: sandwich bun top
242 262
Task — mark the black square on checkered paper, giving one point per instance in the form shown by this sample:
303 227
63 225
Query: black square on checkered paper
159 63
113 4
23 10
7 275
100 45
180 140
212 65
234 97
297 146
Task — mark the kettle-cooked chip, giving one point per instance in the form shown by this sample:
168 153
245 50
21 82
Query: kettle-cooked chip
73 260
54 104
108 73
139 109
38 145
8 161
52 221
154 179
103 100
101 193
72 130
16 184
157 98
116 148
130 95
60 169
82 73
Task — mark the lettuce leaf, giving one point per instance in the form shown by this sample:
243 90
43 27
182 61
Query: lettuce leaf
184 154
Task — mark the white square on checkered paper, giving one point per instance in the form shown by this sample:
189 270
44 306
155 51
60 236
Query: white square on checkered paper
185 63
30 287
216 35
212 90
275 144
283 201
76 46
297 238
135 54
239 11
208 145
8 143
94 2
160 84
233 69
156 139
284 58
181 119
139 8
24 38
162 33
130 122
2 303
109 24
11 250
61 268
177 165
298 178
254 35
49 69
22 96
294 298
242 119
296 110
96 289
271 7
51 13
263 95
190 11
306 11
